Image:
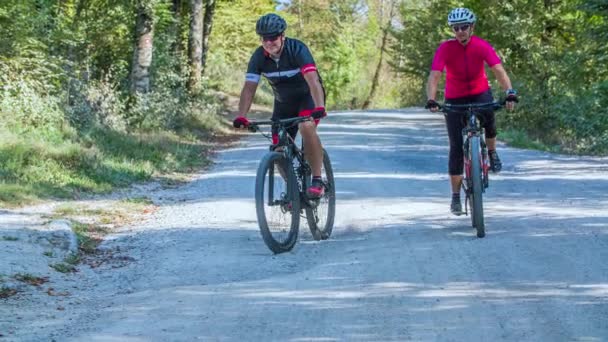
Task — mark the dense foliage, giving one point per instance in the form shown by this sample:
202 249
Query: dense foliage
554 52
76 75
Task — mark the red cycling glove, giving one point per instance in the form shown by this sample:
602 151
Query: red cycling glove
240 121
318 113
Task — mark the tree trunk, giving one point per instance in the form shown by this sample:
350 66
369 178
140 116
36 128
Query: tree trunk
207 26
75 28
71 54
376 78
142 54
195 46
300 19
176 27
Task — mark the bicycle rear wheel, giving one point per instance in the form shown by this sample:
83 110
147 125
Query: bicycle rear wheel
277 202
321 212
476 190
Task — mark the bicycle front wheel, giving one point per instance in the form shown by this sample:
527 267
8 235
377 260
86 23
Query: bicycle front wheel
277 201
321 212
477 187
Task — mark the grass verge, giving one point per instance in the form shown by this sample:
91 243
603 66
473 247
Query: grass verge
34 167
30 279
6 292
520 139
91 233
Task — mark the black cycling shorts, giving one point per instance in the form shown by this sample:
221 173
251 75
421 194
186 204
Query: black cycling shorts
291 109
455 123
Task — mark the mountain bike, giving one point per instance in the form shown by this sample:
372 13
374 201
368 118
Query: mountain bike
476 160
282 178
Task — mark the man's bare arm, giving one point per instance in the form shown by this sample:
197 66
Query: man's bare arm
316 90
431 85
246 99
501 76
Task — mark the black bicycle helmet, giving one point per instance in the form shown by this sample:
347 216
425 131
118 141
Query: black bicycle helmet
270 25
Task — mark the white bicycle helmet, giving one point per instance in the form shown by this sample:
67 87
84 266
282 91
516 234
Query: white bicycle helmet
461 15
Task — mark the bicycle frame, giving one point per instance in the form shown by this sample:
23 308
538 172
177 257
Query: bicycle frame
473 128
287 159
475 158
292 153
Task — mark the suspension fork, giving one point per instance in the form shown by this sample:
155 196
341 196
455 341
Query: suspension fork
468 134
485 160
271 172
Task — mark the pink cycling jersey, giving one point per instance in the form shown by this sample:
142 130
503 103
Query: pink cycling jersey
464 66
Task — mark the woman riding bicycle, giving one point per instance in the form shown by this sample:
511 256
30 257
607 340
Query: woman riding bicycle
463 60
290 69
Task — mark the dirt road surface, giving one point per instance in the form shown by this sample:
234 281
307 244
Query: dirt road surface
397 267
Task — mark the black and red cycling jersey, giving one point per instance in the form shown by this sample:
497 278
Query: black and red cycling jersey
286 74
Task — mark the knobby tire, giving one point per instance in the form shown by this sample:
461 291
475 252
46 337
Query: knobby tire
477 187
266 170
321 219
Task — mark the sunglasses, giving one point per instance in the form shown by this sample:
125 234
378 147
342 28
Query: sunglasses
270 38
462 28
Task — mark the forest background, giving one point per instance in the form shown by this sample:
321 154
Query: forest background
98 94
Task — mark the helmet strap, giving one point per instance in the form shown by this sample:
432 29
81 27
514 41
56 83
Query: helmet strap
466 41
282 45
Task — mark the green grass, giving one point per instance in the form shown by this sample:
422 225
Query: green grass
520 139
15 194
142 200
118 213
32 168
30 279
63 267
72 259
6 292
70 210
89 237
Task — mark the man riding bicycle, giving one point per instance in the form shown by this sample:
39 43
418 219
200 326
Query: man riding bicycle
290 69
466 82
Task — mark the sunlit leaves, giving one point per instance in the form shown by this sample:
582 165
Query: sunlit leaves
554 51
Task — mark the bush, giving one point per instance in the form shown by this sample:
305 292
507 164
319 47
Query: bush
166 109
22 107
98 103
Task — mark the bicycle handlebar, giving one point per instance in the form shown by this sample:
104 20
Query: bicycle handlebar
253 125
471 106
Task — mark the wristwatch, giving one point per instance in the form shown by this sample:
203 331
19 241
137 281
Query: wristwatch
511 92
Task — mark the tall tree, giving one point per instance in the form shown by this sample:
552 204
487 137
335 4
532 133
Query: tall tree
71 53
298 9
144 43
176 9
207 25
385 31
195 46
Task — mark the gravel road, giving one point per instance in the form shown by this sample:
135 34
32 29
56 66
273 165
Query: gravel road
397 267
